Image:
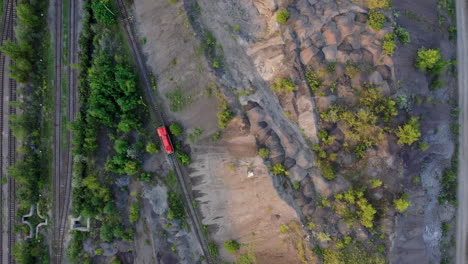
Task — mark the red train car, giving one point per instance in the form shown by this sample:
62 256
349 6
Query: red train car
164 135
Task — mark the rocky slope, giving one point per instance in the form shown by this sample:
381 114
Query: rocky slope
252 51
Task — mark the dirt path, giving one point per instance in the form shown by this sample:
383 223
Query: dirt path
462 56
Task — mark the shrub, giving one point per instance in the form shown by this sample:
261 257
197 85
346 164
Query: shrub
375 183
436 83
328 172
376 19
284 229
282 16
104 12
98 252
152 148
278 169
296 185
183 158
213 250
403 35
176 129
402 204
134 212
388 45
430 60
224 115
145 176
231 246
378 3
283 85
312 79
423 146
409 133
176 207
263 153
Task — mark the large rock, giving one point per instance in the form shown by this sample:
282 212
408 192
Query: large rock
307 54
297 174
330 53
331 34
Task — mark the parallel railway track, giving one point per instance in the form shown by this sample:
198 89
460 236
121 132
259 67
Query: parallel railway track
63 160
7 88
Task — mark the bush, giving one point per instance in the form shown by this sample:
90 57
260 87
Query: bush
403 35
376 19
145 176
409 133
423 146
312 79
430 60
328 172
378 3
224 115
213 250
152 148
104 12
388 45
296 185
282 16
402 204
176 129
375 183
231 246
183 158
283 85
278 169
134 212
263 153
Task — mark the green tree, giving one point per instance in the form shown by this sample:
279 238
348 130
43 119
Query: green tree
104 12
376 19
409 133
282 16
176 129
402 203
279 169
134 212
283 85
430 60
231 246
152 148
263 153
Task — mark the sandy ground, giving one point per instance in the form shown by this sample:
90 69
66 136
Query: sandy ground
462 220
236 206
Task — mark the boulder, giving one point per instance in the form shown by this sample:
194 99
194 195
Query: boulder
331 34
307 54
330 53
297 174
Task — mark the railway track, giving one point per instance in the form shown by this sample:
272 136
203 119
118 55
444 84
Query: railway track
136 52
63 160
9 19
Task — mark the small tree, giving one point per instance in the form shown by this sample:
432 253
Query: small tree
388 45
283 85
134 212
231 246
152 148
176 129
403 35
430 60
376 19
263 153
409 133
282 16
278 169
402 204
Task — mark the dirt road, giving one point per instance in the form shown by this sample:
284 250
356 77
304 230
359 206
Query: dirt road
462 57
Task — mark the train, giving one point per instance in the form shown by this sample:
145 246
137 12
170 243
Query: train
164 135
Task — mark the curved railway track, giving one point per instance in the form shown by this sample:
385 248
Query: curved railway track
136 52
9 19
